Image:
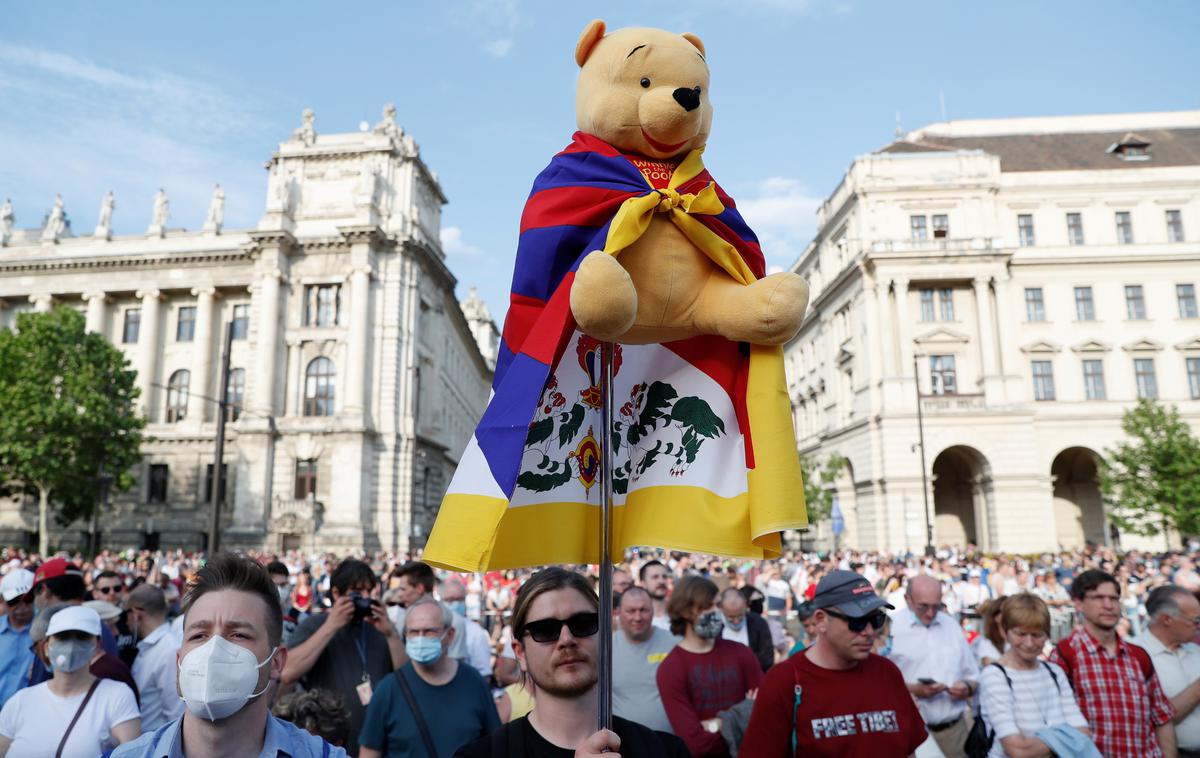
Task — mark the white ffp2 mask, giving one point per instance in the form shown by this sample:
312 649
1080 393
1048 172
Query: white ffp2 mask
218 678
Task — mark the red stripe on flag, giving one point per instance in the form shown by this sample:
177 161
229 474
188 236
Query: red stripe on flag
723 362
571 206
523 313
582 142
543 344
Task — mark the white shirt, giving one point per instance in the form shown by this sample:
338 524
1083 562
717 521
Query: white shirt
1176 669
662 622
35 719
479 648
742 635
155 672
971 595
938 652
1034 702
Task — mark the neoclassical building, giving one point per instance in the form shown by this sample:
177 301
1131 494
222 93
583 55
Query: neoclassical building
1030 279
355 376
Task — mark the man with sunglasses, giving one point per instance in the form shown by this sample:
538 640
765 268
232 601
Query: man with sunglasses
555 623
110 586
836 698
938 666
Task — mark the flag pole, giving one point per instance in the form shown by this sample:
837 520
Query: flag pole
604 706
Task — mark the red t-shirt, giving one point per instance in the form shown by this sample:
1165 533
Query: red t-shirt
865 711
698 686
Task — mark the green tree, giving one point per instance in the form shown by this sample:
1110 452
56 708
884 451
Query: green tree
818 495
66 414
1152 480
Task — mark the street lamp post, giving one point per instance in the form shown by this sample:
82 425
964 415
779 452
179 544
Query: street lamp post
924 477
218 477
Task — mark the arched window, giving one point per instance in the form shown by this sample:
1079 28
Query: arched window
319 383
177 395
234 392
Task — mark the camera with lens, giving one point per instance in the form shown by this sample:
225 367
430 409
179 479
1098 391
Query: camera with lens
362 606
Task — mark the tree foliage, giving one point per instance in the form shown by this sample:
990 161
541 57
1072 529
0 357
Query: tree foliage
66 414
1152 480
818 494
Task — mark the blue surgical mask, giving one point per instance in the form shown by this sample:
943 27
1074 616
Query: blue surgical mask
425 650
735 627
886 650
458 606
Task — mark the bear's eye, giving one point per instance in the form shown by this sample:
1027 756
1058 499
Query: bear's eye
646 82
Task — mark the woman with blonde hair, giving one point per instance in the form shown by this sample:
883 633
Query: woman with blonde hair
989 645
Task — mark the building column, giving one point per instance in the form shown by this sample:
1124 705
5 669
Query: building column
268 341
148 350
360 329
1006 342
97 303
987 338
43 302
293 383
202 348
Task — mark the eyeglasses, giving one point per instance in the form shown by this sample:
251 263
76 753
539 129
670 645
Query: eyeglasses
548 630
926 607
858 624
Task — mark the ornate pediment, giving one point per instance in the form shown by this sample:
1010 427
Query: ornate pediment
1092 346
1041 346
942 336
1189 346
1143 346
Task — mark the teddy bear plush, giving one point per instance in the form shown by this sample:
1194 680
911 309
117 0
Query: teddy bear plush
645 92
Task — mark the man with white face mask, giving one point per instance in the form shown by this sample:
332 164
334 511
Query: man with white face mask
433 705
229 667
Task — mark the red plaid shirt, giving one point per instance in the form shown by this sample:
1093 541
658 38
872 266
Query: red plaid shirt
1120 702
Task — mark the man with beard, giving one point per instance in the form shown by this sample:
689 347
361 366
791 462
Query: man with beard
836 698
555 624
1114 681
638 648
655 578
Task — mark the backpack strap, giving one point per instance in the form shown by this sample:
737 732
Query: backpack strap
1053 676
422 727
1005 674
82 706
1066 659
1143 659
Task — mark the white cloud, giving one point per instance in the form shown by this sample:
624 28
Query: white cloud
782 213
494 22
498 47
455 246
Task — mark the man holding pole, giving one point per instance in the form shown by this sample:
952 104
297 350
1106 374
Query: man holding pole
555 625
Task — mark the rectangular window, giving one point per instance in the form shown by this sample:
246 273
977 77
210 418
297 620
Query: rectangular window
306 479
1174 226
321 304
1147 384
941 226
1135 302
241 321
1075 228
1186 293
1193 372
1035 308
185 324
208 482
1085 307
1025 229
942 380
133 325
159 475
1043 380
927 312
1093 379
946 304
919 232
1124 228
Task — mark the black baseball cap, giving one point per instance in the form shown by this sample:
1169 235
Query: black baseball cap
849 593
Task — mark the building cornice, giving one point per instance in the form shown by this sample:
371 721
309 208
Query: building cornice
136 260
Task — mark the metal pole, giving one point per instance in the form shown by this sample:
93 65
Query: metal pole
218 479
924 479
604 716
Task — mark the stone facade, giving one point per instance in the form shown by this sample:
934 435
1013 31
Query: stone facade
1036 276
356 375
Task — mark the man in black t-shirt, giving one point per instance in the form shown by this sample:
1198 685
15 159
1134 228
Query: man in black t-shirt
555 625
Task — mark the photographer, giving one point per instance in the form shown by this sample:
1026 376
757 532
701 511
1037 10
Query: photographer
350 649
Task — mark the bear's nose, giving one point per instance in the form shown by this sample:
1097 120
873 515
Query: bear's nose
688 98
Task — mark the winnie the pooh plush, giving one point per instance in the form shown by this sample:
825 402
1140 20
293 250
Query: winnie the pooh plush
645 93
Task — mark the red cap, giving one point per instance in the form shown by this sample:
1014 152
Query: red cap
54 568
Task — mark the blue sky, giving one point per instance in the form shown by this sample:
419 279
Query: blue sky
134 96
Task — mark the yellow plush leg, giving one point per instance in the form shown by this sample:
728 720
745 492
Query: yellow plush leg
603 298
767 312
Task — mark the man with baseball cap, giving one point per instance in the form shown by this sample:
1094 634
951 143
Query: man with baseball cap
836 697
60 581
15 655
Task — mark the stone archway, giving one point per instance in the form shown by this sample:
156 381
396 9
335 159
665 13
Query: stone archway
962 492
1078 508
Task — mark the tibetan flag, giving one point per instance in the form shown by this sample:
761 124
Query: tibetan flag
704 455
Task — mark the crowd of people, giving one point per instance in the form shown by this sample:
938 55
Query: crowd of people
850 653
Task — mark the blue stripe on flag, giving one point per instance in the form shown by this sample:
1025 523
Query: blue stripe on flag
505 425
540 264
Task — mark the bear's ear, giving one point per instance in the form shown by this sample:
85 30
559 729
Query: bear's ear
694 40
587 41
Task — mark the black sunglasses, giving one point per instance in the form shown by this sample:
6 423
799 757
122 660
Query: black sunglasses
106 590
548 630
876 620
